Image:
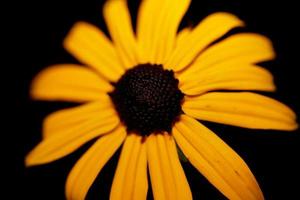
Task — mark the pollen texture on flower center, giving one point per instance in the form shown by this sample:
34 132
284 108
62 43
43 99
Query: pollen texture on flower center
147 99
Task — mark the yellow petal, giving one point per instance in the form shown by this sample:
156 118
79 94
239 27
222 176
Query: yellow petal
130 180
90 164
69 82
157 25
66 119
167 176
239 49
183 35
141 181
216 160
242 109
207 31
91 47
181 183
66 140
222 77
118 21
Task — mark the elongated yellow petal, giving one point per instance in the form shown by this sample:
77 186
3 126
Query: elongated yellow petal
182 187
167 176
90 164
242 109
211 28
157 34
118 20
130 181
66 119
69 82
91 47
145 27
183 35
239 49
65 141
141 181
216 160
228 78
155 169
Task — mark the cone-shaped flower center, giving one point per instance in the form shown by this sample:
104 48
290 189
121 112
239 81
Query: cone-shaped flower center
148 99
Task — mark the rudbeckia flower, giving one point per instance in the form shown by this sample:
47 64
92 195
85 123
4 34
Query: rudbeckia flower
145 90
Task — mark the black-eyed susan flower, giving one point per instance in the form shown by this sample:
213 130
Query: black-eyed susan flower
146 89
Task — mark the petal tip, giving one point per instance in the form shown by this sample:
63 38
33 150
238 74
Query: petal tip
294 126
232 17
74 29
29 160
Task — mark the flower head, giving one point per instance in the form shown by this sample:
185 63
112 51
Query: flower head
147 90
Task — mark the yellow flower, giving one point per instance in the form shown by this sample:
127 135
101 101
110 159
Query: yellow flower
147 90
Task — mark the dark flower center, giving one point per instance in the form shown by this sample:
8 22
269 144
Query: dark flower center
147 99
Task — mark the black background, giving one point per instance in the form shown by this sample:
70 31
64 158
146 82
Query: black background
37 29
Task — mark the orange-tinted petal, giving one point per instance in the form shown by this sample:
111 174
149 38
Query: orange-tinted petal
216 160
69 82
207 31
220 77
157 25
236 50
167 176
90 164
183 35
91 47
130 180
182 187
118 21
68 139
66 119
242 109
